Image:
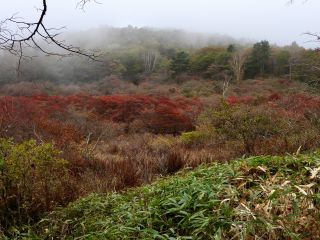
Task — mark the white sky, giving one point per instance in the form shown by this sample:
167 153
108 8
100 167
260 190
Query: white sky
272 20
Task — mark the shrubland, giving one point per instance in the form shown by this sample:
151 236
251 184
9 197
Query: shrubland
111 143
93 132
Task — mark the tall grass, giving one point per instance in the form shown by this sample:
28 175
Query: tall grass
256 198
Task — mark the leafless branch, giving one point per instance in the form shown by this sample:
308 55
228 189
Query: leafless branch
316 36
292 1
81 4
17 35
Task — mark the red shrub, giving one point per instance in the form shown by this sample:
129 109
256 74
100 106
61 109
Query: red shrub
159 114
274 97
233 100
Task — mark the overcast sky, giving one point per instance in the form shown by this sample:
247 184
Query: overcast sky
272 20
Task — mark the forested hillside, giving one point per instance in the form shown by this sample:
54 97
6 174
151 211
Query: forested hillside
139 55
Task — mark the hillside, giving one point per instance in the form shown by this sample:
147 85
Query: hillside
200 120
256 198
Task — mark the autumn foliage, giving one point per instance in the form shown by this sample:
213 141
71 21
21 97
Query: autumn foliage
296 105
48 117
118 141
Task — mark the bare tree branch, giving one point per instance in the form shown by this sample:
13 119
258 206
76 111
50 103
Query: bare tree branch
316 36
237 64
17 35
81 4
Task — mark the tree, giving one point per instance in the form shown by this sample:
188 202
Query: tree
32 35
295 52
231 48
211 61
280 60
180 63
307 68
237 64
150 60
259 57
133 64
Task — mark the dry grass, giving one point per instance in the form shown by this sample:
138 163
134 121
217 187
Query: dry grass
256 198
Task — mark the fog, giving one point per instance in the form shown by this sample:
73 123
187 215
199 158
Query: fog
273 20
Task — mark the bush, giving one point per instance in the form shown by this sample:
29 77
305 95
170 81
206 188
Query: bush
194 137
50 117
243 123
32 180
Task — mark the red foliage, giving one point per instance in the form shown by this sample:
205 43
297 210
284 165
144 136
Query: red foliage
23 117
298 106
274 97
232 100
47 116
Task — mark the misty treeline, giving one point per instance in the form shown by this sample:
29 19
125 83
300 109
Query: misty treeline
134 55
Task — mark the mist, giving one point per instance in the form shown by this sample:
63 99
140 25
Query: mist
272 20
162 119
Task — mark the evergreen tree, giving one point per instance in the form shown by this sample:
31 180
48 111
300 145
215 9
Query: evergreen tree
180 63
259 58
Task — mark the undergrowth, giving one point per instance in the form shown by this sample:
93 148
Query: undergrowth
256 198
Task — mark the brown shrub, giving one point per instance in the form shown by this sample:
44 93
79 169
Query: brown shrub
33 179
